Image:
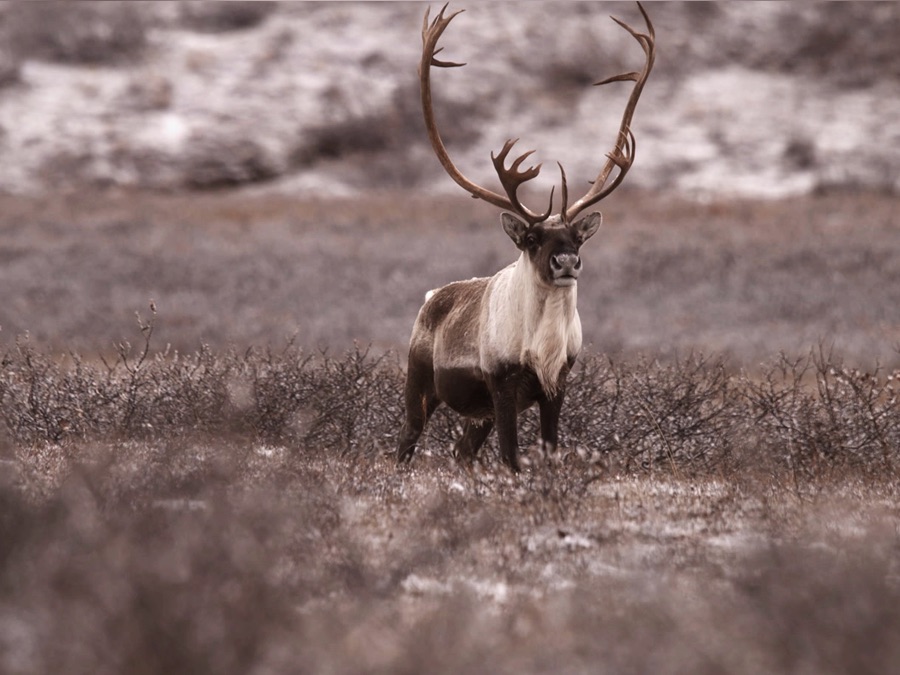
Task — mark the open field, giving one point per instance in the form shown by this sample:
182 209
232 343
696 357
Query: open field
747 279
234 507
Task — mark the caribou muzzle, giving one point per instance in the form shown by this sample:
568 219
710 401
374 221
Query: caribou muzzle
565 268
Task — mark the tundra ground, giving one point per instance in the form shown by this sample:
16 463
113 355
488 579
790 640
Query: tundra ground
747 279
230 504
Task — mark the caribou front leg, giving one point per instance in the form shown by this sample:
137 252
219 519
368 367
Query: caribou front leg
550 407
504 389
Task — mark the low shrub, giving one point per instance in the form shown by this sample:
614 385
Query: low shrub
810 419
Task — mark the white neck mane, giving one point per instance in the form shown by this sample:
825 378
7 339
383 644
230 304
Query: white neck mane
531 323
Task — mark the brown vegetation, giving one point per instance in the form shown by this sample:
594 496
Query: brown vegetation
214 497
663 277
810 419
224 512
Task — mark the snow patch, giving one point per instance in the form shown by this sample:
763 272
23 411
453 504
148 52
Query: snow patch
494 591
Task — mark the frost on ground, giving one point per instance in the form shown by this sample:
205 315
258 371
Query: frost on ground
229 558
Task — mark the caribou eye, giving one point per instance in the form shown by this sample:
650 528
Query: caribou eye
531 240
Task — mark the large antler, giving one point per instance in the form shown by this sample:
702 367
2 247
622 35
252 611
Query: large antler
510 178
622 155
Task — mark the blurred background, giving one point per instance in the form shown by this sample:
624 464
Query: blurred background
260 169
765 99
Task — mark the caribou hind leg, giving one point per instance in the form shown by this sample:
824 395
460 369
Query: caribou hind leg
421 402
474 435
550 407
417 417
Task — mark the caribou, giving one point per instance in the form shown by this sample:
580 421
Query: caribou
490 348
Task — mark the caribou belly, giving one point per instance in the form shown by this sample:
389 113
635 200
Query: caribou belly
464 390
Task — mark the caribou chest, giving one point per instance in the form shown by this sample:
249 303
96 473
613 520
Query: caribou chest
526 322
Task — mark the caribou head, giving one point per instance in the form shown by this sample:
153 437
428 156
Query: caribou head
492 347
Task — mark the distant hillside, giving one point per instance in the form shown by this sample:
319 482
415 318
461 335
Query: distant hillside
747 98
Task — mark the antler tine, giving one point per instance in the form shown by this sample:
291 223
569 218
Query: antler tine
565 188
623 153
432 33
623 159
510 178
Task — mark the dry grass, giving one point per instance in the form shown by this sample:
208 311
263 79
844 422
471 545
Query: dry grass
225 512
813 419
663 277
295 544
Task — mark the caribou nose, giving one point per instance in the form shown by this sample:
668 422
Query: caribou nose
565 265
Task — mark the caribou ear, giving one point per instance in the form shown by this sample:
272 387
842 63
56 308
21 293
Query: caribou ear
516 228
585 228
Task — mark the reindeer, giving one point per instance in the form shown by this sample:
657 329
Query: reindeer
490 348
